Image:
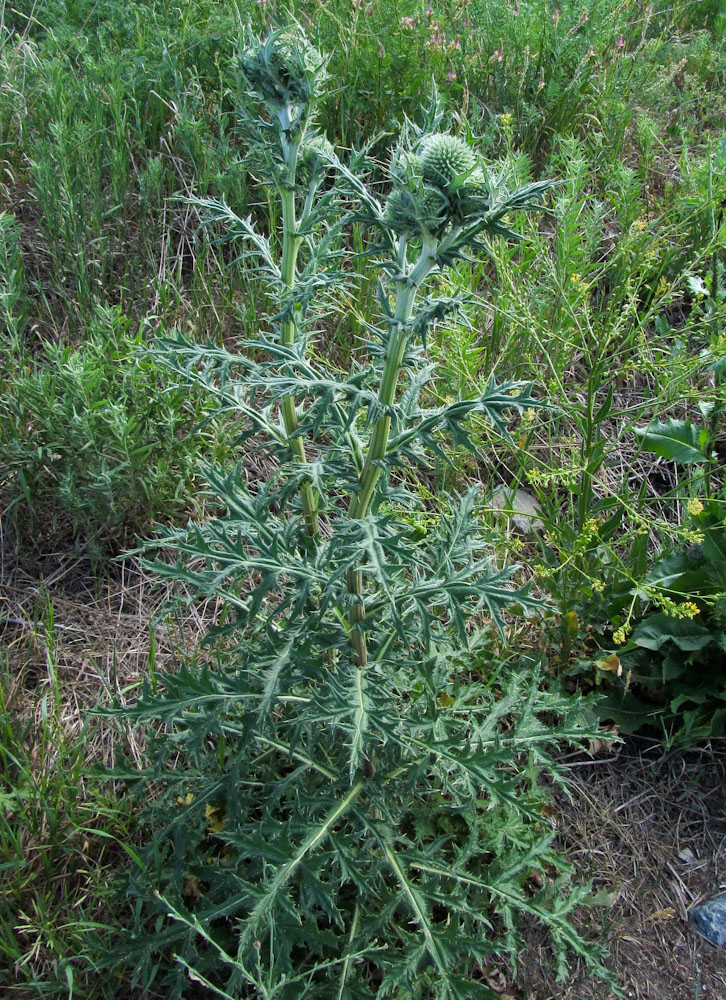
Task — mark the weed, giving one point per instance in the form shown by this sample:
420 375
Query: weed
344 805
614 303
57 826
93 439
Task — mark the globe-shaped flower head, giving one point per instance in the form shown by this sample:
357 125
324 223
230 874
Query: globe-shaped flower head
440 184
402 211
446 161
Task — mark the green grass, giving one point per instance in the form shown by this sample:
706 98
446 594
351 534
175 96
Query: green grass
97 445
58 825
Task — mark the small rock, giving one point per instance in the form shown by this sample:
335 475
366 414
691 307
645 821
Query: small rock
524 508
709 919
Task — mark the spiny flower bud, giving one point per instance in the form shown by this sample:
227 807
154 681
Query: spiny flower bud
405 166
441 184
444 159
315 159
422 212
435 210
285 70
402 211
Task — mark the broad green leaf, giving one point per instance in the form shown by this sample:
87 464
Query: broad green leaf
683 633
674 440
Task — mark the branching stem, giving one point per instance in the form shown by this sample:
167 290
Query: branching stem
399 335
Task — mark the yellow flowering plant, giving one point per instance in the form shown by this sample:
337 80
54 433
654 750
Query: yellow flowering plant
671 638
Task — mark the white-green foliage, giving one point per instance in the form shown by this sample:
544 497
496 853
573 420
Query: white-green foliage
346 794
93 438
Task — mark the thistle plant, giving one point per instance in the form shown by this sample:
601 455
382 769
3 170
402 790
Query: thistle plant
347 797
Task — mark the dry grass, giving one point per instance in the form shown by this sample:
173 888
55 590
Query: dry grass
650 830
99 641
69 644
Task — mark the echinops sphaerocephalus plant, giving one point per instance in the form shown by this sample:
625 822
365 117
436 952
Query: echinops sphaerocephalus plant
347 800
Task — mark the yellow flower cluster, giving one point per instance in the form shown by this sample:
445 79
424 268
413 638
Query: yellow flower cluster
506 121
546 572
562 476
689 610
685 610
694 507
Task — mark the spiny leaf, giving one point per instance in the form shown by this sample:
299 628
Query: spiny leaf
268 894
360 719
418 908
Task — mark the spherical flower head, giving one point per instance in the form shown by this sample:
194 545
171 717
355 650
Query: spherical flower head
446 160
439 185
285 71
414 208
421 212
402 205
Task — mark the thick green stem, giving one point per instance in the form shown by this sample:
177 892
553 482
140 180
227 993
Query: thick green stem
372 466
290 246
371 471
